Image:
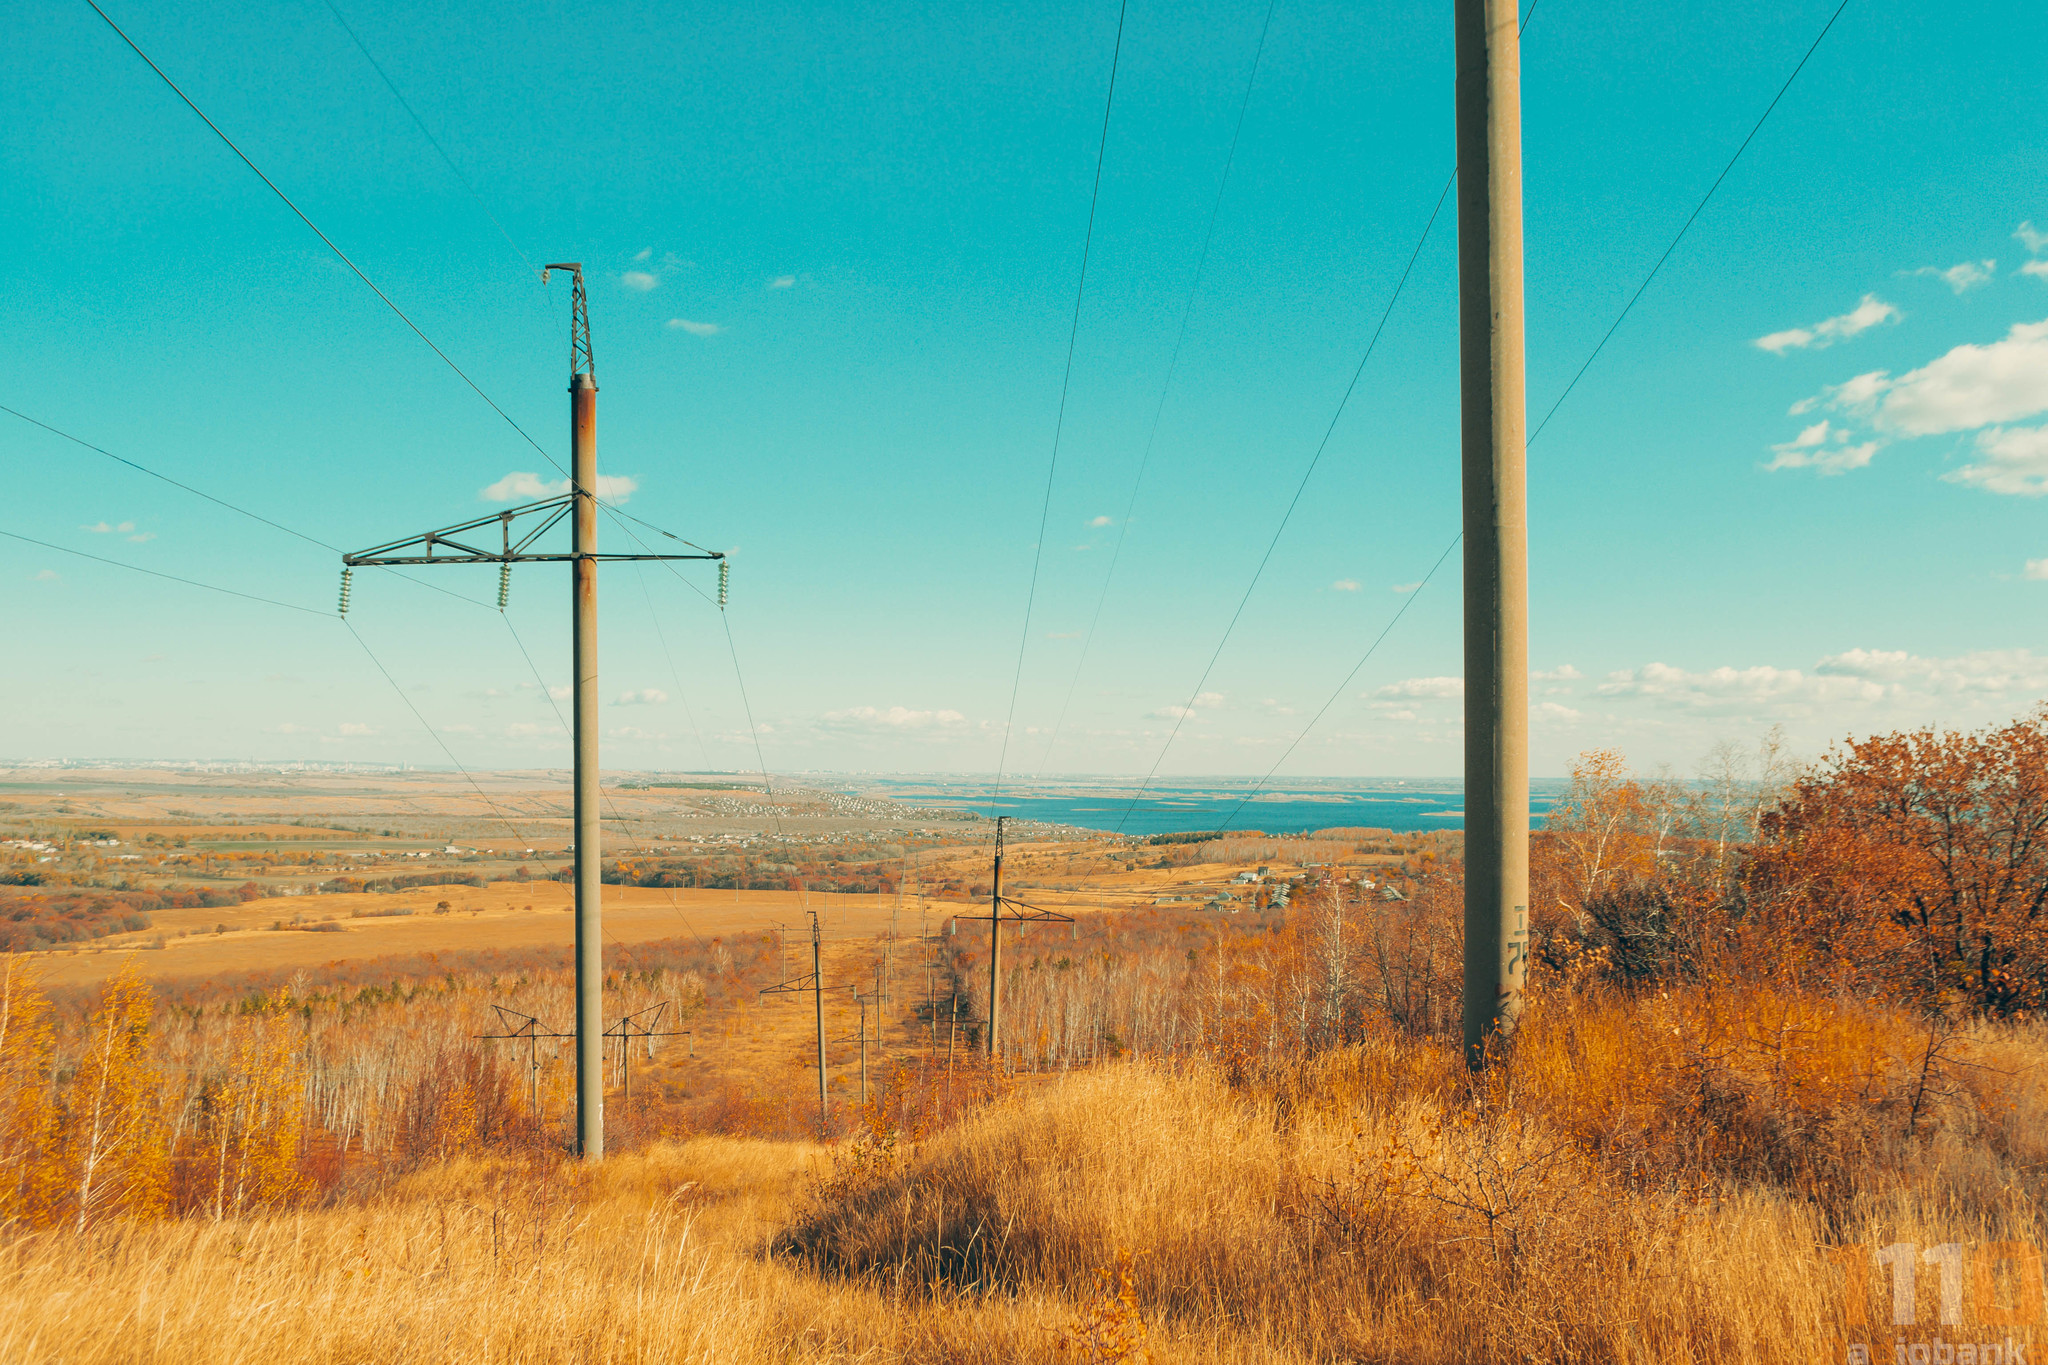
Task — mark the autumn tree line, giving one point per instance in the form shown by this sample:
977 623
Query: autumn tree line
1912 867
254 1092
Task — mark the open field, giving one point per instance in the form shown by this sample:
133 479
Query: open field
1228 1120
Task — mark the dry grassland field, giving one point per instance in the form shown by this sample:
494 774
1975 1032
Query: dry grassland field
284 1076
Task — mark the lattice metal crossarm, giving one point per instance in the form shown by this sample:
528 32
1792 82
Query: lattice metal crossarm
451 544
1038 915
794 986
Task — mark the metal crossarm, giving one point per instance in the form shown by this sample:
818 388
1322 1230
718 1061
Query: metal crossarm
421 549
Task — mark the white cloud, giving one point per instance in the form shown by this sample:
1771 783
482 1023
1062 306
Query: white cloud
783 282
142 538
2038 269
696 329
1203 701
1407 587
2034 241
2016 462
639 280
1864 316
1562 673
1728 691
106 529
1556 713
1823 447
522 486
894 719
1418 688
1994 671
562 693
1345 585
646 696
1102 521
48 576
1965 276
1970 386
643 253
2037 569
354 728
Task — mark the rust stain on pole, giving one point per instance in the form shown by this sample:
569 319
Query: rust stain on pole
589 886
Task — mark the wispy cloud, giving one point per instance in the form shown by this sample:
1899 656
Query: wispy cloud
2037 569
783 282
1102 521
646 696
1562 673
1824 447
103 528
1203 701
1345 585
893 719
643 253
1962 277
525 486
2035 242
48 576
1407 587
355 729
1420 689
639 280
2015 462
696 329
1864 316
2038 269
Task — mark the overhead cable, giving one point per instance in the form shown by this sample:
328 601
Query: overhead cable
1187 309
1060 422
339 254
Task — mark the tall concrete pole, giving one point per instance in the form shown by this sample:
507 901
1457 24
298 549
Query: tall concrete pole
589 887
995 947
818 999
1495 518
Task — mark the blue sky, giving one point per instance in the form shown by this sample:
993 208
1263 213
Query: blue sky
832 255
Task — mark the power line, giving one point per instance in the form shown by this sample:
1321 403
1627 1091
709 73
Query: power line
165 478
1293 502
431 731
427 133
153 573
562 721
1371 649
1172 367
339 254
1754 130
220 502
682 695
1060 422
1687 225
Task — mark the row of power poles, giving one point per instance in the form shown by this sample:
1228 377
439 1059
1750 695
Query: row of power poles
1495 529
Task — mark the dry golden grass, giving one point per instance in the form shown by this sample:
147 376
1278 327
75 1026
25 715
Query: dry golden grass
1362 1211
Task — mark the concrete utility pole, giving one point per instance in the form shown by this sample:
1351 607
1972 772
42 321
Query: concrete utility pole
815 984
995 950
1018 916
1496 523
579 507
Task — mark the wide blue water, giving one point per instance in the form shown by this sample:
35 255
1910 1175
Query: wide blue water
1207 803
